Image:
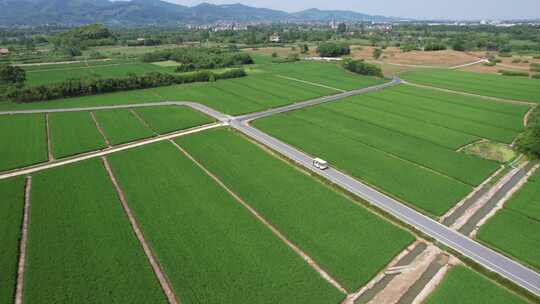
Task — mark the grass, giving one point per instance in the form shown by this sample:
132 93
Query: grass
333 230
73 133
514 229
462 285
80 243
23 139
491 150
515 88
167 119
121 126
12 193
198 231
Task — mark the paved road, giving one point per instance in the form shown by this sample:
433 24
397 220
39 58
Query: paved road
490 259
484 256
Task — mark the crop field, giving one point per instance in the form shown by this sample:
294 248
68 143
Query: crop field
40 75
463 285
198 231
515 88
395 150
23 139
67 140
80 243
121 126
514 229
12 194
167 119
342 237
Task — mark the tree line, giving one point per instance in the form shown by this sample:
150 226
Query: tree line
197 58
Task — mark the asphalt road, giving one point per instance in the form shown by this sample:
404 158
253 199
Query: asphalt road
481 254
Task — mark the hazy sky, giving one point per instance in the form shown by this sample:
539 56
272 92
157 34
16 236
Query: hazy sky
453 9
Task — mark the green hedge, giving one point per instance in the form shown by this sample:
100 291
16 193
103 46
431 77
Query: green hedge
513 73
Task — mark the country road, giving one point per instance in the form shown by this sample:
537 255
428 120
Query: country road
481 254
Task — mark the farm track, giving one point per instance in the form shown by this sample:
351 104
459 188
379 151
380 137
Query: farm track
100 130
49 142
163 282
312 263
479 253
23 242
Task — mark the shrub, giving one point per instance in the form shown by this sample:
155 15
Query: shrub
435 47
490 63
502 54
80 87
516 61
332 49
536 76
363 68
377 53
514 73
529 141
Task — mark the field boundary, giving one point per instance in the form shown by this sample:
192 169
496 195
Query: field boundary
163 281
311 83
23 242
310 261
49 142
100 130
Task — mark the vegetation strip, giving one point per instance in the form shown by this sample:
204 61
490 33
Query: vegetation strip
58 163
49 146
23 242
163 282
312 263
98 126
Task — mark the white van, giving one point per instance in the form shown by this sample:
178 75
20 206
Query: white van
320 164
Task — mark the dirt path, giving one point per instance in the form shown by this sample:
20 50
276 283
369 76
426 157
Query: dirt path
49 145
171 297
274 230
311 83
107 151
23 241
100 130
527 116
142 121
469 94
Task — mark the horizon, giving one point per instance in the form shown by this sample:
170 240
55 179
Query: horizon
393 8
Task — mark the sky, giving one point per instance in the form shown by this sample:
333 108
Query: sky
419 9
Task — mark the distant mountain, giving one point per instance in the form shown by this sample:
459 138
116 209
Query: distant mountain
145 12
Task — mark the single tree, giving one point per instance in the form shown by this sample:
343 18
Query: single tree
377 53
12 75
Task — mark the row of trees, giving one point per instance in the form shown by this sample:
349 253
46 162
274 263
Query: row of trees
81 87
196 58
363 68
333 49
529 141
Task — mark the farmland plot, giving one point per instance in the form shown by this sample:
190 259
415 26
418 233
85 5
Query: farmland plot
514 229
81 247
198 231
121 126
167 119
463 285
516 88
11 204
342 237
73 133
24 140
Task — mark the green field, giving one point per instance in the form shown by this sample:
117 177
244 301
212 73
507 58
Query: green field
24 140
463 285
73 133
41 75
80 244
121 126
167 119
211 248
341 236
12 194
514 229
400 138
514 88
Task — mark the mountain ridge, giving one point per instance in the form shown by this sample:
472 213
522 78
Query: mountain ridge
148 12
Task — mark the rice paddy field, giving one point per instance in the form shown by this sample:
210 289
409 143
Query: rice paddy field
23 139
514 88
343 237
463 285
514 229
198 231
80 243
11 192
122 126
167 119
403 137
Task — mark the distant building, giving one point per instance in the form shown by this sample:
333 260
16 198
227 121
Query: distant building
4 52
275 38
